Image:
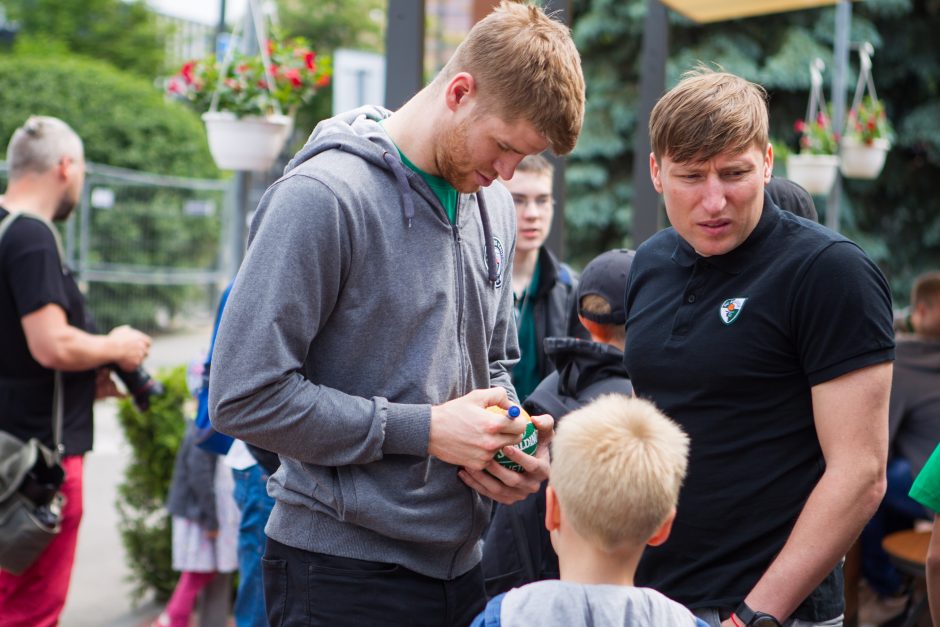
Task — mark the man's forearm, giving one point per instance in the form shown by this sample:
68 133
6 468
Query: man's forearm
834 515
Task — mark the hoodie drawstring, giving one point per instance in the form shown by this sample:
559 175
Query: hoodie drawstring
409 204
492 270
395 165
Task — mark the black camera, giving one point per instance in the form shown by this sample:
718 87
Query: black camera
140 385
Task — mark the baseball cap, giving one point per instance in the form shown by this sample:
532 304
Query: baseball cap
606 276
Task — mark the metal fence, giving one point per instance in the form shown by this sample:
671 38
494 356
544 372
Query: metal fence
150 251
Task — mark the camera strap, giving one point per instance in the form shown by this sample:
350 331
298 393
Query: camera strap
58 403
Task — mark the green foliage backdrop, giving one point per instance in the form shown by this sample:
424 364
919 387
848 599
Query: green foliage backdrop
896 218
122 119
123 33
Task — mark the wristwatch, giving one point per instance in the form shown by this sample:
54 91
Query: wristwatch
750 618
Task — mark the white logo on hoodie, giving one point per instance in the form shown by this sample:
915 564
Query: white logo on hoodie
500 256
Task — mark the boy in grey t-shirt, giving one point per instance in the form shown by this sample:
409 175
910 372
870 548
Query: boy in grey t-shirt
617 467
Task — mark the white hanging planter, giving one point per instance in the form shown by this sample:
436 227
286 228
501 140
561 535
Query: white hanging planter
246 143
861 160
815 173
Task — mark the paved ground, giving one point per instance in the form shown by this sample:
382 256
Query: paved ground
100 596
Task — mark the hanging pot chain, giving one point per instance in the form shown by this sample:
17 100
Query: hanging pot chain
865 80
254 13
817 102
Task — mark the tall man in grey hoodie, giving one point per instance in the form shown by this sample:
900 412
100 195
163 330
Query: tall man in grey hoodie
371 322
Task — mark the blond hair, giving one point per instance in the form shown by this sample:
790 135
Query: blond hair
526 67
617 466
706 114
40 144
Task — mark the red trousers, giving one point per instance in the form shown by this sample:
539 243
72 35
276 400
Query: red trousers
36 598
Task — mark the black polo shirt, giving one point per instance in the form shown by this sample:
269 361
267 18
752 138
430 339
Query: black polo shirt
729 346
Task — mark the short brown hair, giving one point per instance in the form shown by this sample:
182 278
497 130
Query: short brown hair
706 114
617 466
526 67
926 288
536 164
600 306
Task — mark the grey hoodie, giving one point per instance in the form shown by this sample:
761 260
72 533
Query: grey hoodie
357 307
566 604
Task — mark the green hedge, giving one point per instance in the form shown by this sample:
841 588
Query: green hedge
123 120
154 437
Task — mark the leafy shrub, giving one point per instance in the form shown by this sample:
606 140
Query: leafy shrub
122 119
154 437
125 33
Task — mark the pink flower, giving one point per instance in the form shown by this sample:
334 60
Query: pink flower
799 126
187 72
293 75
310 60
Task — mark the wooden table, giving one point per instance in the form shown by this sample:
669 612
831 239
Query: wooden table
908 551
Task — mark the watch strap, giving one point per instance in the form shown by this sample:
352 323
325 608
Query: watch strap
749 617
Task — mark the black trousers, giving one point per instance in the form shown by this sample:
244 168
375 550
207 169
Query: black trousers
315 589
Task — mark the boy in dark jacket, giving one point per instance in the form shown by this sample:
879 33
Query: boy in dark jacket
517 548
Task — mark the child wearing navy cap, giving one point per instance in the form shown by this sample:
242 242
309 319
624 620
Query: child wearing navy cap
517 548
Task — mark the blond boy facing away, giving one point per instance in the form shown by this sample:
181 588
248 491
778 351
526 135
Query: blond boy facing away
617 467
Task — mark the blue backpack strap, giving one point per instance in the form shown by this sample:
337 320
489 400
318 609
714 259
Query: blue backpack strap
218 319
489 617
565 274
208 438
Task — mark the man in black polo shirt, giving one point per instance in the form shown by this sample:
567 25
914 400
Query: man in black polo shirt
769 339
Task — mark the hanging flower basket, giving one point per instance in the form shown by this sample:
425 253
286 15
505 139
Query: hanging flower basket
868 132
246 96
246 143
815 173
816 166
861 160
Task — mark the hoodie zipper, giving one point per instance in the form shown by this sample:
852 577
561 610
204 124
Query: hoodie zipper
458 262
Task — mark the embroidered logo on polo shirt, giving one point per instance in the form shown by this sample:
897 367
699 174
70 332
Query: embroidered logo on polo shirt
731 309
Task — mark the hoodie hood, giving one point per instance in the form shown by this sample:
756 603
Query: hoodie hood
580 363
360 133
918 354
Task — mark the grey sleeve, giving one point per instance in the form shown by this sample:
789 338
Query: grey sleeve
286 288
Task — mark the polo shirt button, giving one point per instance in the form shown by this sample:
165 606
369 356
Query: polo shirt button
691 298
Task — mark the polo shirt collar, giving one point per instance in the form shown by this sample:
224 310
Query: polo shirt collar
732 262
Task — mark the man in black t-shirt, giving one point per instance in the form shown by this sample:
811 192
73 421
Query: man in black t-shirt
44 327
768 338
